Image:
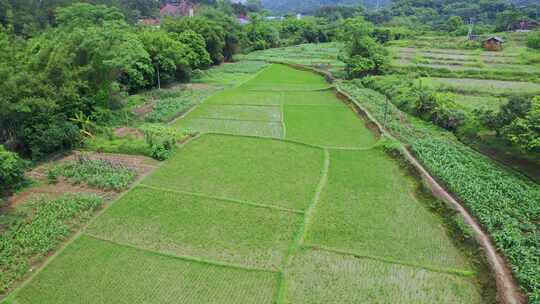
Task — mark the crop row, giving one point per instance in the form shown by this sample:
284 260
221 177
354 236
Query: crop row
34 236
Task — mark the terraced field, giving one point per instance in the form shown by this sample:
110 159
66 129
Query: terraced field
283 198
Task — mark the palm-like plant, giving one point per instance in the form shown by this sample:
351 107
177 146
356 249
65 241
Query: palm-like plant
84 123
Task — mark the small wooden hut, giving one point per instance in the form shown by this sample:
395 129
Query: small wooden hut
494 44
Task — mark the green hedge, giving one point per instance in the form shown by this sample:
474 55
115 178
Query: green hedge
12 169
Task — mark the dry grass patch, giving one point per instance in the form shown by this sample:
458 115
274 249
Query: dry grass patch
319 277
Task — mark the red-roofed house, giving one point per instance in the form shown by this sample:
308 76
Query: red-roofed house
177 9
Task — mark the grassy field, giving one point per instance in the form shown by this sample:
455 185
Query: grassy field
321 55
319 276
243 219
481 86
236 167
334 126
209 228
96 271
371 207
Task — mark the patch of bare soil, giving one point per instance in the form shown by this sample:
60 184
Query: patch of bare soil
144 109
140 164
52 191
198 86
129 132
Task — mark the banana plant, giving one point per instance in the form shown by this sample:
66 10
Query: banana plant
84 123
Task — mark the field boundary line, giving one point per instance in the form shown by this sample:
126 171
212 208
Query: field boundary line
181 257
224 199
292 141
272 105
283 126
302 229
223 89
268 138
294 90
443 270
312 208
241 104
236 119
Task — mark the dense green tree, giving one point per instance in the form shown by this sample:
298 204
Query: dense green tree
213 33
455 23
336 13
306 30
525 131
262 34
363 54
198 57
70 69
169 56
12 169
533 40
508 20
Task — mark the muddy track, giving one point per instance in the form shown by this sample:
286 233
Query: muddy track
508 291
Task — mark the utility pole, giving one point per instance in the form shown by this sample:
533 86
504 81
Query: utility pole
471 29
158 77
385 112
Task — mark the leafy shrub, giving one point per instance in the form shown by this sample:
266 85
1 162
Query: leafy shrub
389 145
30 238
161 140
166 109
533 40
525 131
437 108
95 172
122 145
12 169
45 139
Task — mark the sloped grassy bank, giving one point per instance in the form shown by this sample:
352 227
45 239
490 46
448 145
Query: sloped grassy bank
506 205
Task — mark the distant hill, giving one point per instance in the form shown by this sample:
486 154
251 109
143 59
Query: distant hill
308 6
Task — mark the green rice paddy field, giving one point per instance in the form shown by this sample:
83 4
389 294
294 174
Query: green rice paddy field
283 198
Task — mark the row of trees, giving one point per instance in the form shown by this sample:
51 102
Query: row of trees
81 69
488 15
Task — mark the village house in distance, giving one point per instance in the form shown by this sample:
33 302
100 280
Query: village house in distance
174 9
